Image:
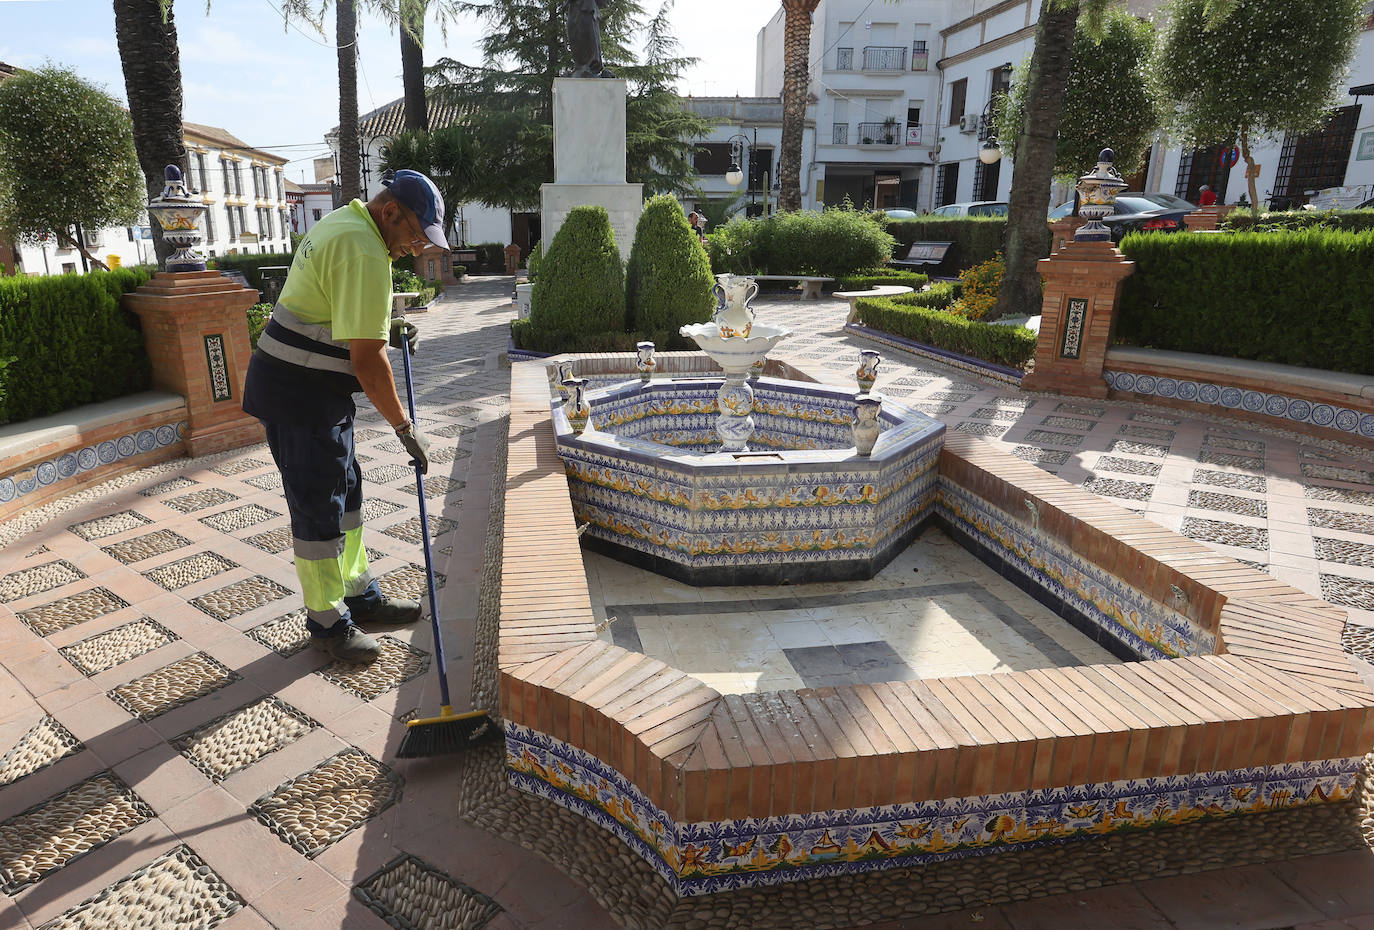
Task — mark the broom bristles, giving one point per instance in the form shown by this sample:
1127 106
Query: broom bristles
447 733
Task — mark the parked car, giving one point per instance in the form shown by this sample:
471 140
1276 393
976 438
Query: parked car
973 208
1134 213
1169 201
899 213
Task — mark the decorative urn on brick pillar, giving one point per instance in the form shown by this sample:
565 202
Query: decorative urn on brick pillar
1082 288
195 330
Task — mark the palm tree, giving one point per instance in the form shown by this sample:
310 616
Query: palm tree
147 34
796 51
411 14
346 38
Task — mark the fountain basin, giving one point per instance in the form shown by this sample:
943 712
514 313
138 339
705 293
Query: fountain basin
647 479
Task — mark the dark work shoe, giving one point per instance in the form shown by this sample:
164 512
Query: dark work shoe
351 645
389 611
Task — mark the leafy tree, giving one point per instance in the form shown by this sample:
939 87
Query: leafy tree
1245 70
507 100
668 280
67 158
450 156
1111 67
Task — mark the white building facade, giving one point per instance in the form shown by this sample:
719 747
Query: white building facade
748 137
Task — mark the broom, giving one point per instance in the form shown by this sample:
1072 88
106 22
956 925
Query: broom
448 732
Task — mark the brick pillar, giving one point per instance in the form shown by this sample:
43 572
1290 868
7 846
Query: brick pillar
1082 287
195 330
1063 230
1205 218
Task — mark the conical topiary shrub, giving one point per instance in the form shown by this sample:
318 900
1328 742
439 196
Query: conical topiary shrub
581 284
668 281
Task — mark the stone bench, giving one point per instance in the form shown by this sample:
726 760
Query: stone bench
810 286
1330 404
922 253
882 290
49 457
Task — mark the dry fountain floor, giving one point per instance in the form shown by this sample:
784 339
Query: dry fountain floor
935 611
172 725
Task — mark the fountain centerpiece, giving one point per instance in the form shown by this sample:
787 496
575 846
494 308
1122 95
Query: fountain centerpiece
736 343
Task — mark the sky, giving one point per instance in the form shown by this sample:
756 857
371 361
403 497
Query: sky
276 87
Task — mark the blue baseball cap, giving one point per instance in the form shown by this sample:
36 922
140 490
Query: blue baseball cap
419 194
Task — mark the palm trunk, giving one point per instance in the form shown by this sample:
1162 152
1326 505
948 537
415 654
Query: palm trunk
413 64
795 90
1020 291
345 36
152 82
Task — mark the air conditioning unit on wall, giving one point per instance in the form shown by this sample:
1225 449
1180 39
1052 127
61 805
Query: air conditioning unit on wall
968 123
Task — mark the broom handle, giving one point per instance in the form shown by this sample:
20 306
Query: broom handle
424 538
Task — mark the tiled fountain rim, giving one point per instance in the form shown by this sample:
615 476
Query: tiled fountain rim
904 428
1282 691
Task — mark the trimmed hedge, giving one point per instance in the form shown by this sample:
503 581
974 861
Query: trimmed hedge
831 243
251 265
976 239
532 263
668 280
70 342
492 256
882 277
1301 298
923 318
1245 221
581 284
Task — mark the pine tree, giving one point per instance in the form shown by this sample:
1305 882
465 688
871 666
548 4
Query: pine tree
507 100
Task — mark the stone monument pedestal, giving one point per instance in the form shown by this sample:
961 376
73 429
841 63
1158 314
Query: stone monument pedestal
589 159
1082 288
195 329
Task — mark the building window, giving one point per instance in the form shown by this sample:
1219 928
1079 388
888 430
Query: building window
257 186
958 94
712 158
920 56
238 179
316 213
281 190
243 219
985 180
1314 160
204 175
1203 166
209 227
285 224
233 230
839 134
130 231
947 184
224 167
844 59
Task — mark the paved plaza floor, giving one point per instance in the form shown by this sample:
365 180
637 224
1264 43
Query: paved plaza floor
170 752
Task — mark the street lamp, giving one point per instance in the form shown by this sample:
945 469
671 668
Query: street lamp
990 152
737 142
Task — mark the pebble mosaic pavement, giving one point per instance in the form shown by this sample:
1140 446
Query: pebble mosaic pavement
170 755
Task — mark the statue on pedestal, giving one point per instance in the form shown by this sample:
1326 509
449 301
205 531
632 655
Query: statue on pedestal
584 38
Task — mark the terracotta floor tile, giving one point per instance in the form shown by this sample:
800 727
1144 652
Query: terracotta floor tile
1120 907
241 850
1339 885
1229 898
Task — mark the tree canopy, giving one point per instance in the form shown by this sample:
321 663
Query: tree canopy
507 100
66 158
452 157
1238 71
1107 65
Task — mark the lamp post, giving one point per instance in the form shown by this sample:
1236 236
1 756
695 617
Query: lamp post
734 175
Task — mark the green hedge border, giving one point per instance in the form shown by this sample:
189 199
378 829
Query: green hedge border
923 318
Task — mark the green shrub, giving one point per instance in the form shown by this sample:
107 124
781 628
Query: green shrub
882 277
832 243
922 318
4 391
581 285
976 239
492 256
532 263
403 280
668 281
1245 221
251 265
258 315
71 341
980 285
526 336
1300 298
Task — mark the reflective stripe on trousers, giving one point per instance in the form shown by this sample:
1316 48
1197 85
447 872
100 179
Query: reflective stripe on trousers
322 481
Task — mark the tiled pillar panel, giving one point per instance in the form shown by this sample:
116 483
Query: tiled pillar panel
1082 287
195 328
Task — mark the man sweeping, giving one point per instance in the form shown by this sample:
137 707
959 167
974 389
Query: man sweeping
326 341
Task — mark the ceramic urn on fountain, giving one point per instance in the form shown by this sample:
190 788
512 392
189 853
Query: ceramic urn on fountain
736 343
179 216
1097 192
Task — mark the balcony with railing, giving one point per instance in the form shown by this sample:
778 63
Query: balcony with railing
884 58
839 134
844 59
886 133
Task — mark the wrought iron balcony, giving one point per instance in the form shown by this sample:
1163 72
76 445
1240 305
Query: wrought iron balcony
880 133
884 58
844 59
839 134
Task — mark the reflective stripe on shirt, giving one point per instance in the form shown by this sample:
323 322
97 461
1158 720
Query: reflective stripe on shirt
310 345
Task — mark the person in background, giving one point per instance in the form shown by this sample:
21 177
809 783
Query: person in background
325 342
698 225
1206 197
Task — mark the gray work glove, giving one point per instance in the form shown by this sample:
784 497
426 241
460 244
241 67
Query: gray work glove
404 333
416 444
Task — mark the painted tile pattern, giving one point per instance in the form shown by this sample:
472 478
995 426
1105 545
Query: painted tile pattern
70 464
704 858
1295 409
801 508
1146 627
